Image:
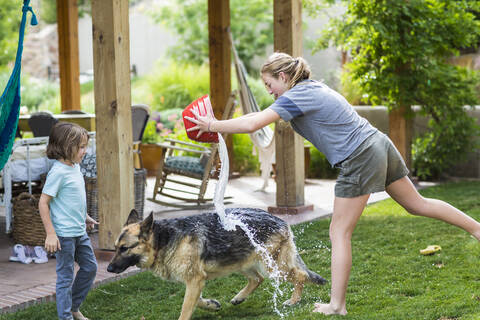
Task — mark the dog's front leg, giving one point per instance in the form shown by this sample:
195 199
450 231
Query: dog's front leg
193 291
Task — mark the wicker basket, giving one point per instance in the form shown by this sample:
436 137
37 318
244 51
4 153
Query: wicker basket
139 177
92 197
140 181
27 225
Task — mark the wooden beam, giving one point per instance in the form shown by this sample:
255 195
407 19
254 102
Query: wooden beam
289 146
67 27
111 63
220 60
287 27
219 54
86 121
400 132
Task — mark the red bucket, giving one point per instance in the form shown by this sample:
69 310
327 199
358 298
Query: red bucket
203 107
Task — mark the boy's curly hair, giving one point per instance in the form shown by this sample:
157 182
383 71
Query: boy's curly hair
64 140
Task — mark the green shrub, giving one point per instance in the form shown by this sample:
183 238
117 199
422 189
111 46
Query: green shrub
351 89
319 167
245 162
452 132
35 92
9 22
150 134
446 144
264 100
169 118
177 85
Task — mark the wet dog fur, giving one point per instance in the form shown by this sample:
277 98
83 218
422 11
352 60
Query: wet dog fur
197 248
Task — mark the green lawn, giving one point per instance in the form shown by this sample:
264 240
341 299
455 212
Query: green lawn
389 280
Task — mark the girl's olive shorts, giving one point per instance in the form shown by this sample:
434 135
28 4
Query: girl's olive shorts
374 165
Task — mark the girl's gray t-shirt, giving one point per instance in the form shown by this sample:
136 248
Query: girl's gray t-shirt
323 117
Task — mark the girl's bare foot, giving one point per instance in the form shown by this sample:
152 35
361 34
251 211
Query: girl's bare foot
327 309
476 235
77 315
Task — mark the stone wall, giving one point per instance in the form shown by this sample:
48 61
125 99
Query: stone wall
40 53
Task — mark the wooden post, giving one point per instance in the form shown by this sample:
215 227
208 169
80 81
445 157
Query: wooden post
111 63
220 60
289 146
400 131
67 28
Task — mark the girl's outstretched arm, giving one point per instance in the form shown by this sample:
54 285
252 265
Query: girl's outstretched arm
245 124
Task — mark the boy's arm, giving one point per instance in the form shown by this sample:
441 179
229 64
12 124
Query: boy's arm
52 243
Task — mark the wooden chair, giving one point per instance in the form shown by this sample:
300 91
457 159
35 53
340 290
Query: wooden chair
195 171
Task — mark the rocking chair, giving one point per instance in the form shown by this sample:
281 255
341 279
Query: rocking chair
195 171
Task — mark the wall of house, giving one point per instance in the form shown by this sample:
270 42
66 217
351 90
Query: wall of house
148 42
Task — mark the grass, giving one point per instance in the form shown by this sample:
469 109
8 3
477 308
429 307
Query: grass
389 280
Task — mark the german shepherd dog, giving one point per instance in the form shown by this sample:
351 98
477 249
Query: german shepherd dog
197 248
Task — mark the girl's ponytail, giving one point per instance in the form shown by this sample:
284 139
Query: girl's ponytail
297 69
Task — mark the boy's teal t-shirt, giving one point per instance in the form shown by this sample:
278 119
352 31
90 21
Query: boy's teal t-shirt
68 206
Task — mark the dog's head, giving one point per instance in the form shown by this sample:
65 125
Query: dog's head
133 245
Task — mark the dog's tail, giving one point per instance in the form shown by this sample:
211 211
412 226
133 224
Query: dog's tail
312 276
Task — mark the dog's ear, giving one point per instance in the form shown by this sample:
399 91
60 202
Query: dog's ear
132 217
146 224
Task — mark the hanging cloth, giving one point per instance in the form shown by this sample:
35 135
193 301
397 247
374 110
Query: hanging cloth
10 100
263 139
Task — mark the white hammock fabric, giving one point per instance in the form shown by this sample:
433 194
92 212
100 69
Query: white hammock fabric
263 139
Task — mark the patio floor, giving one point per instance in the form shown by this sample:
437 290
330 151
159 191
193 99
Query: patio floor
24 285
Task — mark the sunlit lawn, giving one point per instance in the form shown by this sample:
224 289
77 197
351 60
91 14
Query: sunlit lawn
390 279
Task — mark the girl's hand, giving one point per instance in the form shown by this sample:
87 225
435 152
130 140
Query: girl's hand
90 222
203 123
52 244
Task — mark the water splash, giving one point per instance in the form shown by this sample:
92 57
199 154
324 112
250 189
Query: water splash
230 222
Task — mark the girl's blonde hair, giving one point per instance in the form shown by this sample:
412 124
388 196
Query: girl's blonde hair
65 140
297 69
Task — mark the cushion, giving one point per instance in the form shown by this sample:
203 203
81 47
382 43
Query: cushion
189 166
88 166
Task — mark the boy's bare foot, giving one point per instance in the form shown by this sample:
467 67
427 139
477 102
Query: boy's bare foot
77 315
327 309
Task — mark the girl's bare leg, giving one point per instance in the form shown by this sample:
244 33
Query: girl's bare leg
404 192
346 212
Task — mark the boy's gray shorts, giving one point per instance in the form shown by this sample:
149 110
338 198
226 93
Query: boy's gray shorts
374 165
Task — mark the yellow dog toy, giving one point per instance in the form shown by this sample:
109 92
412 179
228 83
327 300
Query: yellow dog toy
430 250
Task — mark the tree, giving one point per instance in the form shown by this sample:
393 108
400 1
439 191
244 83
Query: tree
400 52
251 25
10 16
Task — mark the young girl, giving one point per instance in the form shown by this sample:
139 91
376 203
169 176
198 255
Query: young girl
63 211
367 159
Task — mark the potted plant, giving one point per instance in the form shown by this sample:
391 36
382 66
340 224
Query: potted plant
150 151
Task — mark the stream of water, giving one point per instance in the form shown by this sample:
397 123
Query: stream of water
230 222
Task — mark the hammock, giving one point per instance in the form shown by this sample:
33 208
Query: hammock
10 100
263 139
